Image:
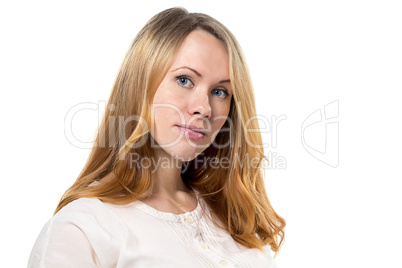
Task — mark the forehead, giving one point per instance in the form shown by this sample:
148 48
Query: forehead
204 53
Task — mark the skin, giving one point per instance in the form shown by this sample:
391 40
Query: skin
197 96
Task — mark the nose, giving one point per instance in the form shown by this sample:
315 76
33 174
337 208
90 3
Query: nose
199 104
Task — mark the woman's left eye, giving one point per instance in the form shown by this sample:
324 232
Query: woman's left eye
220 92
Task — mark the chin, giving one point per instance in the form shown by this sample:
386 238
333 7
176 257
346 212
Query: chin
183 150
184 155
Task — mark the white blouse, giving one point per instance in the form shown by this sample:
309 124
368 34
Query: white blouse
90 233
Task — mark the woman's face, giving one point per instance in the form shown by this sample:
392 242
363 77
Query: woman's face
192 102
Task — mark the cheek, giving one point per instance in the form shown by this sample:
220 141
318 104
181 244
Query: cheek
216 127
166 105
220 114
167 113
163 115
168 100
219 118
218 124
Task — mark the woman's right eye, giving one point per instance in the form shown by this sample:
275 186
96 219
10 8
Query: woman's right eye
184 81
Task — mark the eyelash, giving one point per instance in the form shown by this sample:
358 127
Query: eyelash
189 79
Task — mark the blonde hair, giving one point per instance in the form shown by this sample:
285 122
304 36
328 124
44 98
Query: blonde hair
236 194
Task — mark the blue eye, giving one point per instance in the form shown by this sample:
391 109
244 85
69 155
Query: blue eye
184 81
220 92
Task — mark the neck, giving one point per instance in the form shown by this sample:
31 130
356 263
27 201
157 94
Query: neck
167 175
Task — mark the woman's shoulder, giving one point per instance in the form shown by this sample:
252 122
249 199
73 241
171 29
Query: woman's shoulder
86 207
82 232
82 209
88 214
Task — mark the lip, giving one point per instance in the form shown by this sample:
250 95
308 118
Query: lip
192 132
194 128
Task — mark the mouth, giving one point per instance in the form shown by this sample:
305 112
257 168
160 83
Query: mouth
192 132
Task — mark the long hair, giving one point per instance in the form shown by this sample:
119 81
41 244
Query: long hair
236 193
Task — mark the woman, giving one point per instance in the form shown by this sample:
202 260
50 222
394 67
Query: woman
175 176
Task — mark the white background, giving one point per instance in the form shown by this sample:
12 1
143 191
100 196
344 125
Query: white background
302 56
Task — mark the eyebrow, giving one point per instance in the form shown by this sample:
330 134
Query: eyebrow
198 74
